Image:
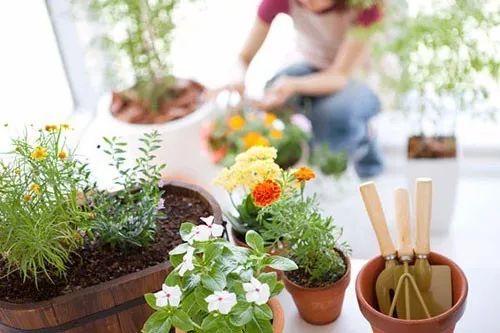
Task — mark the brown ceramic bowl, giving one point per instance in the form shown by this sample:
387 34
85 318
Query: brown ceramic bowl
381 323
278 316
320 306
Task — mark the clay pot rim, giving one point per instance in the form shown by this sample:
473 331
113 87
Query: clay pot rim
344 279
380 315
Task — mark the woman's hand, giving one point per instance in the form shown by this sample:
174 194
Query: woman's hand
279 93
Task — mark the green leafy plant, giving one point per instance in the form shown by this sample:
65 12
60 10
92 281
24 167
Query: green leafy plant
43 211
330 163
440 54
217 286
307 237
137 34
233 134
128 217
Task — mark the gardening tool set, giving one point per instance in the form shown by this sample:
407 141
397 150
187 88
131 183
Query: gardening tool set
409 287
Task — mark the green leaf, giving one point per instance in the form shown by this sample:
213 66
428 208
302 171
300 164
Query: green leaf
259 326
263 312
159 322
254 240
185 229
151 300
215 281
181 320
179 249
282 264
269 278
211 322
212 251
242 314
277 289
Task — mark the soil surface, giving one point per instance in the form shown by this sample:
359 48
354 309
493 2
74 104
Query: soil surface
301 278
178 101
432 147
95 263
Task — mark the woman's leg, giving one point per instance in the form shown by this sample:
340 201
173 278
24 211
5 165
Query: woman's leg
341 121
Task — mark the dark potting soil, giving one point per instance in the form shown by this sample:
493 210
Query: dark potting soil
95 263
300 277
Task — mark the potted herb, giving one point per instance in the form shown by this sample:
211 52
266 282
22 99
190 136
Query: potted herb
443 70
134 39
218 287
232 134
76 257
311 240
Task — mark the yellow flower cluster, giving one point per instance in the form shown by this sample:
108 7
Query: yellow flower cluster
53 128
39 153
251 168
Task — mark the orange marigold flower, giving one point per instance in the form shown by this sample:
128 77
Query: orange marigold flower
236 123
266 193
304 174
269 118
27 197
276 134
252 139
62 155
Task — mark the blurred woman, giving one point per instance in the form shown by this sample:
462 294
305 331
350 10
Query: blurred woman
332 37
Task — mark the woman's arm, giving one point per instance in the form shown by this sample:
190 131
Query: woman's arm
254 41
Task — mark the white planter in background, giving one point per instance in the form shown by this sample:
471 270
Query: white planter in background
445 174
181 148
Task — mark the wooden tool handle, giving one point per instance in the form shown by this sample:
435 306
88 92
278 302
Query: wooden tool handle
424 211
402 200
377 218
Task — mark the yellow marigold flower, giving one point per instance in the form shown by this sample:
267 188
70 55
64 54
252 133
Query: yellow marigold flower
51 128
39 154
304 174
257 153
269 118
236 123
252 139
276 134
64 127
17 171
27 197
35 188
62 155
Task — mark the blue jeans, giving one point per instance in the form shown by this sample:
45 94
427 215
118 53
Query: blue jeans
341 120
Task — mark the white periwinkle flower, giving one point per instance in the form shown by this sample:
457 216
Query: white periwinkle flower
200 233
168 296
187 261
216 230
257 292
221 301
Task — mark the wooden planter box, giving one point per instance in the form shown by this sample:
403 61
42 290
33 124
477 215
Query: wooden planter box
116 306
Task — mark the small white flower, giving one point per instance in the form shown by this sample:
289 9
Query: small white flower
168 296
162 183
187 262
161 204
279 125
221 301
200 233
301 122
216 230
257 292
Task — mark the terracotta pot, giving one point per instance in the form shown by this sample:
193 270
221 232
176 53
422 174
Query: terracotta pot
278 316
444 323
320 306
115 306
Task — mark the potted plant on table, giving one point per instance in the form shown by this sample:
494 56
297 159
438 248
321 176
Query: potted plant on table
134 39
313 241
443 69
232 134
218 287
75 258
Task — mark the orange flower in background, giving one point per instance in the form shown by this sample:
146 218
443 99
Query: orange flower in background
252 139
62 155
51 128
266 193
236 123
269 118
276 134
27 197
35 188
304 174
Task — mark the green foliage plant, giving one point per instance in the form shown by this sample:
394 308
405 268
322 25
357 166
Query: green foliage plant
127 218
307 237
137 34
43 210
216 286
447 52
330 163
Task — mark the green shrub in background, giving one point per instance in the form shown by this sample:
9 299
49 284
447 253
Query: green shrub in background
128 217
43 210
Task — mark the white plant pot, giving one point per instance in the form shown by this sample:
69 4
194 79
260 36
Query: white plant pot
181 148
445 175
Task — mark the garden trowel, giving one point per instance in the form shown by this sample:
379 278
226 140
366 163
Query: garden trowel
386 281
